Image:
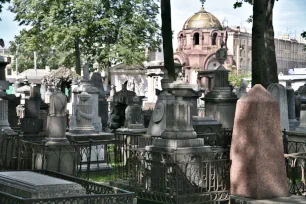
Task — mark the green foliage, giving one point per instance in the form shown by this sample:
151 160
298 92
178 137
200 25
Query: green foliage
109 31
235 79
1 6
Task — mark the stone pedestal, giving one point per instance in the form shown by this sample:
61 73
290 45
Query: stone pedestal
279 92
4 124
56 130
86 86
293 123
258 168
158 120
220 103
293 199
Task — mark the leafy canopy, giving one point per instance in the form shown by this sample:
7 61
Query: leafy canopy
109 31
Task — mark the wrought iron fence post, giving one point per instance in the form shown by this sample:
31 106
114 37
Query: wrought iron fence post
285 141
88 159
43 155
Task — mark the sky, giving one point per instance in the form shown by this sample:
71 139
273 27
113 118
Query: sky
289 16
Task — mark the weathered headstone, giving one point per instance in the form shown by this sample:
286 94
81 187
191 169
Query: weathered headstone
97 82
279 92
134 115
258 168
220 103
293 123
57 119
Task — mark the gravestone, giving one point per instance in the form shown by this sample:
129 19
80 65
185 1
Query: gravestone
72 105
4 123
134 116
57 119
293 123
97 82
29 111
26 184
258 168
279 92
220 103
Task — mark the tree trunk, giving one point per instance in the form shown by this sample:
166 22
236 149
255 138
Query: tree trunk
167 38
77 57
259 68
270 45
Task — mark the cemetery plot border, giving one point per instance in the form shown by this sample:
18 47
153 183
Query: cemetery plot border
96 193
180 179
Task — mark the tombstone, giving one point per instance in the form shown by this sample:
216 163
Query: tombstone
57 119
32 185
279 92
97 81
258 169
242 90
72 104
119 103
134 116
297 105
220 103
293 123
28 111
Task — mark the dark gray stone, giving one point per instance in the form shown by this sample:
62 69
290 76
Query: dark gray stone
27 184
282 200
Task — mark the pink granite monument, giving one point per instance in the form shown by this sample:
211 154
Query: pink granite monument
258 165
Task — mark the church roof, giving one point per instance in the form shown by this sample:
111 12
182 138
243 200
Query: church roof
202 20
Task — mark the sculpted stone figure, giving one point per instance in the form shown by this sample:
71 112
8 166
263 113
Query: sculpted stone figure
58 104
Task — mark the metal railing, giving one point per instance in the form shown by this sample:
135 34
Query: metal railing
176 178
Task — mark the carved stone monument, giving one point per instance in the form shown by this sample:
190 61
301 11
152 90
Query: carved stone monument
279 92
28 111
220 103
4 124
57 118
97 82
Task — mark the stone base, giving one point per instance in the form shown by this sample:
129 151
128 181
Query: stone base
55 141
56 130
180 134
282 200
28 184
102 136
132 131
8 131
178 143
301 129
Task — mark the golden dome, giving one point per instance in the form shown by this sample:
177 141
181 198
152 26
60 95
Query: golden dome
202 19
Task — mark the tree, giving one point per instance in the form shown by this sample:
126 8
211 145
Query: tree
1 4
106 31
167 38
264 66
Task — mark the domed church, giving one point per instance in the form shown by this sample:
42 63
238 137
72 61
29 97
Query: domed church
201 37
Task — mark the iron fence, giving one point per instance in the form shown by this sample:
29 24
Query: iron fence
95 193
176 178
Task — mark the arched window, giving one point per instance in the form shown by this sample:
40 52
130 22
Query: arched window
196 39
214 39
181 41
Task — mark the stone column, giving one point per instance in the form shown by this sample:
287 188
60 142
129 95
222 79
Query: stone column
4 124
293 123
279 92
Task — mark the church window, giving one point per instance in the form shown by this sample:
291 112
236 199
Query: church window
196 39
214 39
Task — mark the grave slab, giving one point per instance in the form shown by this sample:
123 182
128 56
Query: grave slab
28 184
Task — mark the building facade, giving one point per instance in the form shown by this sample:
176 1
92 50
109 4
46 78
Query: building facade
203 34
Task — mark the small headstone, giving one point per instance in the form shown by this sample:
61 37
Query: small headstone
258 168
279 92
293 123
134 115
